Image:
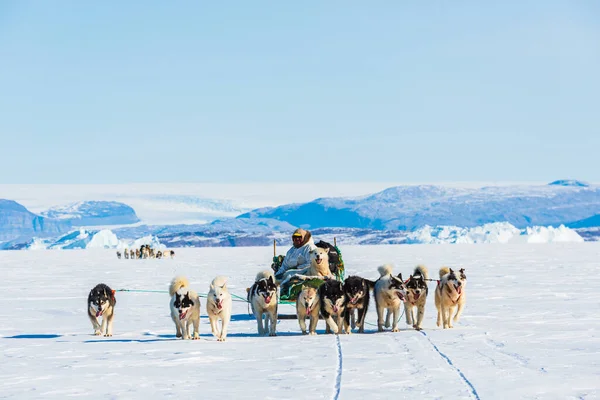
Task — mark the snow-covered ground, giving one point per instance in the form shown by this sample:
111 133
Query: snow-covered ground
530 329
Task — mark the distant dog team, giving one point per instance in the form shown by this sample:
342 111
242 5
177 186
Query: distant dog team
145 251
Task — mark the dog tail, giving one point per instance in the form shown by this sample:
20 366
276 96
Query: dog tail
385 270
370 284
444 271
421 270
264 275
219 281
177 283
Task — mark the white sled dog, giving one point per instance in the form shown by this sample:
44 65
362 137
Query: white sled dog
101 303
218 307
450 295
390 293
264 300
308 305
318 268
416 296
185 308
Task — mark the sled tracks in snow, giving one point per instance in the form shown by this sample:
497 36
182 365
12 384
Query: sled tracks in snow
338 372
451 364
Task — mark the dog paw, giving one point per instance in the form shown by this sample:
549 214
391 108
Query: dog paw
395 330
178 334
348 332
97 333
221 339
304 333
196 336
312 333
380 329
272 334
418 328
108 335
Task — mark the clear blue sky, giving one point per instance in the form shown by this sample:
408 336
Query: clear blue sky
243 91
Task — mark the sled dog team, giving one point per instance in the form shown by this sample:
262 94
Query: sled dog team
343 305
145 251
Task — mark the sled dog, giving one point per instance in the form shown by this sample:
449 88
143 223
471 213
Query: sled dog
333 302
218 307
318 268
264 299
390 293
356 290
185 308
416 296
308 305
101 303
450 295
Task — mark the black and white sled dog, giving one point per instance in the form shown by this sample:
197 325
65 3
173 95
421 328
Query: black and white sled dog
416 296
218 307
450 295
356 290
101 303
390 293
263 298
185 308
333 304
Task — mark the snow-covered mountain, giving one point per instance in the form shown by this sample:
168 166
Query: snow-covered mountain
413 207
94 213
17 222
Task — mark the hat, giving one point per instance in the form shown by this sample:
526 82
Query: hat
299 233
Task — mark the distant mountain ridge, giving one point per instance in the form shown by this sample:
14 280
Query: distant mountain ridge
412 207
388 216
18 222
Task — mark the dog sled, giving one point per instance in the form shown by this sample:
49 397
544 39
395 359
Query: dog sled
290 289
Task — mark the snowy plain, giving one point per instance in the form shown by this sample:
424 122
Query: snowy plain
530 330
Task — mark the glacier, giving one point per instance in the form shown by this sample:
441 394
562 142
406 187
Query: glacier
93 213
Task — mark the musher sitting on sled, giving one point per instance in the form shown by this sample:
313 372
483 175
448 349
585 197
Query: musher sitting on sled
298 256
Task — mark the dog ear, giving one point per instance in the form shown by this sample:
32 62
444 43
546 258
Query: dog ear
451 271
400 276
270 280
